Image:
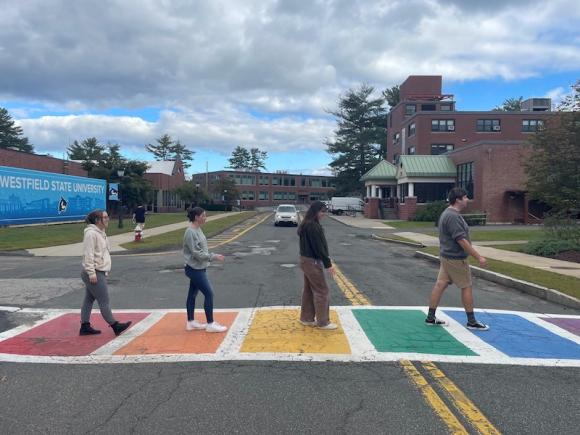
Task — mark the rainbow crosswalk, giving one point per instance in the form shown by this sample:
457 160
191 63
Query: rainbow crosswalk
365 334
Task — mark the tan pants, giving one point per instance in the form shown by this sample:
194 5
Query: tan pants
316 294
455 271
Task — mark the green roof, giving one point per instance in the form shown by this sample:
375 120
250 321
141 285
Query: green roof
427 166
381 171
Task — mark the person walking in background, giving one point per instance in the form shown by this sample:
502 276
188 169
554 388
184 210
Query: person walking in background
455 247
314 258
139 216
96 267
197 258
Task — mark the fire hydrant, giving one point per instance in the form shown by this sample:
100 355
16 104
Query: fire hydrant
138 233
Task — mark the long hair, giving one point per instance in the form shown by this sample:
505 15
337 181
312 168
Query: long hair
311 215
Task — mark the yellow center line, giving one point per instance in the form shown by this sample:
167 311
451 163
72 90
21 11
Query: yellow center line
431 397
465 406
241 233
458 399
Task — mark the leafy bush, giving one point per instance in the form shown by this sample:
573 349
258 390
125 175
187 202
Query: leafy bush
430 212
562 228
550 247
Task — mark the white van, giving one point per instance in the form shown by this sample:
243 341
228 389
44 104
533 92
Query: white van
340 205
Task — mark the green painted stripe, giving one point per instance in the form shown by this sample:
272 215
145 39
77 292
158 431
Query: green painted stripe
405 331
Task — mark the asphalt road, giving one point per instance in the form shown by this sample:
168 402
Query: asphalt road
264 397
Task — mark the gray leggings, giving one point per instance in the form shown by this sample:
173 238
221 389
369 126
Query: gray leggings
99 292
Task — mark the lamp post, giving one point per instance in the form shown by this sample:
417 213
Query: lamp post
196 194
120 173
226 198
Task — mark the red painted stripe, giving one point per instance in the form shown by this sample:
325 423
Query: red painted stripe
60 336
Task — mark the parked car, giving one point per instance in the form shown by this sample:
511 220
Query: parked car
340 205
286 214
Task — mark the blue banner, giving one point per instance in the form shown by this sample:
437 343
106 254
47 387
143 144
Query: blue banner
113 191
28 197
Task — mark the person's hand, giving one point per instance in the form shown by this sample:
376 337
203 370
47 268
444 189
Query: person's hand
93 279
482 261
219 257
331 271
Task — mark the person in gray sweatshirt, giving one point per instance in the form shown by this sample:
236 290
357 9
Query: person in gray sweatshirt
96 267
197 258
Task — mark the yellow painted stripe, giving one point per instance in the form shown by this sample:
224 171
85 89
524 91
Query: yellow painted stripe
431 397
349 289
465 406
241 233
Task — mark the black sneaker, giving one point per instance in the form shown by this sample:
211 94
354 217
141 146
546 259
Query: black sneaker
87 329
119 327
435 322
477 326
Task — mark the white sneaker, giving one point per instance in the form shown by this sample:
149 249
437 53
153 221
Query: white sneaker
215 327
329 326
194 324
305 323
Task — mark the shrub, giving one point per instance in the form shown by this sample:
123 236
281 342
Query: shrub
562 228
550 247
430 212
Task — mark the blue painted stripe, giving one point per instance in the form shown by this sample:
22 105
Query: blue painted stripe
518 337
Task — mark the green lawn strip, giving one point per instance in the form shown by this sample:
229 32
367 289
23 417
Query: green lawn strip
40 236
174 239
503 235
403 225
518 247
398 238
564 283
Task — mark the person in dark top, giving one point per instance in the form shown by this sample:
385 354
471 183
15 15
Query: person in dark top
139 216
314 259
454 248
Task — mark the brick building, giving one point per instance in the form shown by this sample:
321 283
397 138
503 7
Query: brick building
480 151
165 176
258 189
38 162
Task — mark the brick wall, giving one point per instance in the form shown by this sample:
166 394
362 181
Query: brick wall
37 162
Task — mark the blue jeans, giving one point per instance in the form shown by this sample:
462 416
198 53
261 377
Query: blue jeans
198 282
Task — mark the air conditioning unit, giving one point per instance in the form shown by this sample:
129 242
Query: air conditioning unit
497 128
451 128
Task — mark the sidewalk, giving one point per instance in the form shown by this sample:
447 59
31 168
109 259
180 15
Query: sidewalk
543 263
361 222
76 249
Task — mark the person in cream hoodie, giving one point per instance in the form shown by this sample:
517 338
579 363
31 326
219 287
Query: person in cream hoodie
96 267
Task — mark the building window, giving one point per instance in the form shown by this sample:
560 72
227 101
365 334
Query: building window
396 137
276 181
404 191
288 181
396 159
429 192
532 125
441 148
488 125
243 179
264 180
411 151
318 196
428 107
411 129
410 109
303 181
465 178
315 182
446 107
247 195
264 196
443 125
284 196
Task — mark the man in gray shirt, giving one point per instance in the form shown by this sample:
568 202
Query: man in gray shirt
454 248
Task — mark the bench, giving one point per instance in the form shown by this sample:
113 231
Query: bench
473 219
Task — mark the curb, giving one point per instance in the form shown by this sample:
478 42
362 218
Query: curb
400 242
539 291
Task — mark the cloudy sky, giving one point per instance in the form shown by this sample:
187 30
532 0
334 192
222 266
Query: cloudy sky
262 73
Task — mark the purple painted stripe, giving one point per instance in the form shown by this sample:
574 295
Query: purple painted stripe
571 325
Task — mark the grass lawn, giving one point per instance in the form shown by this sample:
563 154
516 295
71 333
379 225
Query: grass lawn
403 225
514 248
40 236
174 239
399 238
565 284
507 235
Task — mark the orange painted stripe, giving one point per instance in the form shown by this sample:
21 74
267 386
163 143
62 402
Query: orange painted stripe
169 336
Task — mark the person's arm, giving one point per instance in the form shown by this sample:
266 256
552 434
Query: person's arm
89 256
320 247
468 247
194 246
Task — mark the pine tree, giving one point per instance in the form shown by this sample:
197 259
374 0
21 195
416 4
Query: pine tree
182 153
258 159
89 151
164 148
360 138
11 134
241 158
392 95
510 105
